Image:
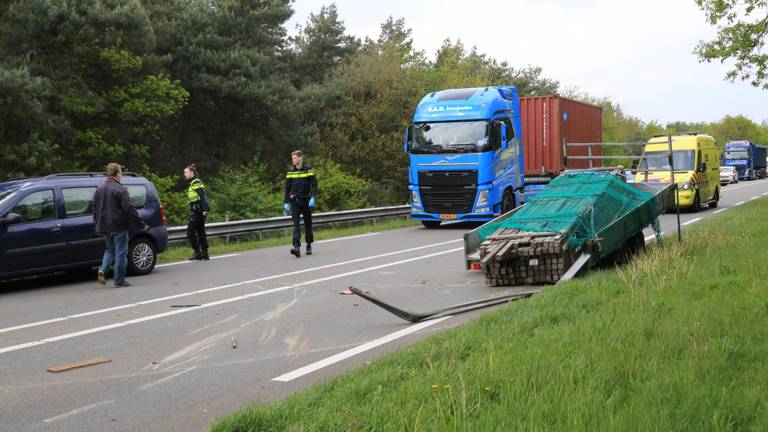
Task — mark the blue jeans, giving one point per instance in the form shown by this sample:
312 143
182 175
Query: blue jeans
117 251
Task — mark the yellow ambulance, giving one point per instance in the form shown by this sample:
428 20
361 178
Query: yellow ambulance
697 167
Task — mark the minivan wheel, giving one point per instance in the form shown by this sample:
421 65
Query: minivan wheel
142 256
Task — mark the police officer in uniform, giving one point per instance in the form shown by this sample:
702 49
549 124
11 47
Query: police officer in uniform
300 190
198 208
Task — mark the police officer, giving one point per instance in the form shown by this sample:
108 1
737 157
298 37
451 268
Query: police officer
198 208
300 190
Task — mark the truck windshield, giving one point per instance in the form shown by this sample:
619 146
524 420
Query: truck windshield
450 137
737 154
657 161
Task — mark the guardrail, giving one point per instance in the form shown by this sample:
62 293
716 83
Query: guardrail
235 228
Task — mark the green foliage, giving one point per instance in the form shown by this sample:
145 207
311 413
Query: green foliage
742 27
338 190
239 193
172 197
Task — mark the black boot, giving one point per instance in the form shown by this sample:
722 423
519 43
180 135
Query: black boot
196 256
204 255
309 249
296 252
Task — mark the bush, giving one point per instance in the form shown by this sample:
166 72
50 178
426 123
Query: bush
241 193
338 190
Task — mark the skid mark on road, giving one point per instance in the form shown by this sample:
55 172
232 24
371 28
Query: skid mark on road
221 287
66 336
168 378
78 411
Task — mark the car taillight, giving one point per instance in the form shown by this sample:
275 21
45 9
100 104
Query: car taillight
162 215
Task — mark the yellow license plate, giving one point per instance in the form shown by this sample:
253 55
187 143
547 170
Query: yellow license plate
447 216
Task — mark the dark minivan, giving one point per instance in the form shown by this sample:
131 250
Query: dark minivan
46 224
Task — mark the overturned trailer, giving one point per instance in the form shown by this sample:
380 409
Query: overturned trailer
581 218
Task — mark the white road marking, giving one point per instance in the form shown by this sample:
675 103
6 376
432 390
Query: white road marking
720 211
764 193
77 411
347 238
690 221
221 287
739 203
219 302
754 198
188 262
357 350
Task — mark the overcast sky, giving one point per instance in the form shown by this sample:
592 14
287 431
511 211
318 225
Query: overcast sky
638 53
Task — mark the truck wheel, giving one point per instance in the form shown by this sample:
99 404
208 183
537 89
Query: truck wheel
507 202
430 224
715 199
142 256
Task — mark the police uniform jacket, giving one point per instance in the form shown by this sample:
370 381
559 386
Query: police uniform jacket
300 184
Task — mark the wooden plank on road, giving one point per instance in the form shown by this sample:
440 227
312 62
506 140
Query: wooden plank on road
80 364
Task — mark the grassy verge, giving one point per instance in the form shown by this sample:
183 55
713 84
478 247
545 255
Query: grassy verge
676 340
283 238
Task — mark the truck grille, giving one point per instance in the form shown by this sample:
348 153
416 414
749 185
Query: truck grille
448 191
448 199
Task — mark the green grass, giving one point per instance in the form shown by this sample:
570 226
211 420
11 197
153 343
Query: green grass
676 340
282 238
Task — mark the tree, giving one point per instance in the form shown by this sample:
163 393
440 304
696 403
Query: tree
104 100
231 57
321 47
742 29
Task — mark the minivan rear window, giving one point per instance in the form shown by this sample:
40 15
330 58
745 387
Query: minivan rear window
138 195
78 201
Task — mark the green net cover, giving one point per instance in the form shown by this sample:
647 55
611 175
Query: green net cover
582 204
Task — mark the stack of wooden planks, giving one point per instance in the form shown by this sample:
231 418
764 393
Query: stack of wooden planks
513 257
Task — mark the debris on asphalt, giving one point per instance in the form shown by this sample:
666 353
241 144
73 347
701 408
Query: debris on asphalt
234 342
80 364
185 306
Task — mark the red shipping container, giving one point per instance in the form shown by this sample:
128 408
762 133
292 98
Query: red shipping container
551 121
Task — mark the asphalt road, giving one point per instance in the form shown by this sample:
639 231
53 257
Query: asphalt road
170 336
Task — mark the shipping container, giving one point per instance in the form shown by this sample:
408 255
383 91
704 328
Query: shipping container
549 122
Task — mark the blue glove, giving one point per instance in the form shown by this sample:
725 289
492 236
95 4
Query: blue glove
312 202
287 208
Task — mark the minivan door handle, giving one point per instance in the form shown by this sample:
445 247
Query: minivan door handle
56 229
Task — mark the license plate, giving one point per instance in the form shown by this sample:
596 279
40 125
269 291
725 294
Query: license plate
447 216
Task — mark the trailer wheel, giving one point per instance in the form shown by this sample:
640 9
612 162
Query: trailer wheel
430 223
507 202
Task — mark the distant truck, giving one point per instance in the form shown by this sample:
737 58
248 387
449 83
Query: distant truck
466 148
748 158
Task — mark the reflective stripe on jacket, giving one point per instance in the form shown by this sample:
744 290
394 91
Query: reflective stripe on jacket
300 183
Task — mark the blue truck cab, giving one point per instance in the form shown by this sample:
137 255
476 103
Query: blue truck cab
465 155
748 158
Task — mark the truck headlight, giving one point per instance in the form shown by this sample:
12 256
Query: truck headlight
482 198
415 199
686 186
